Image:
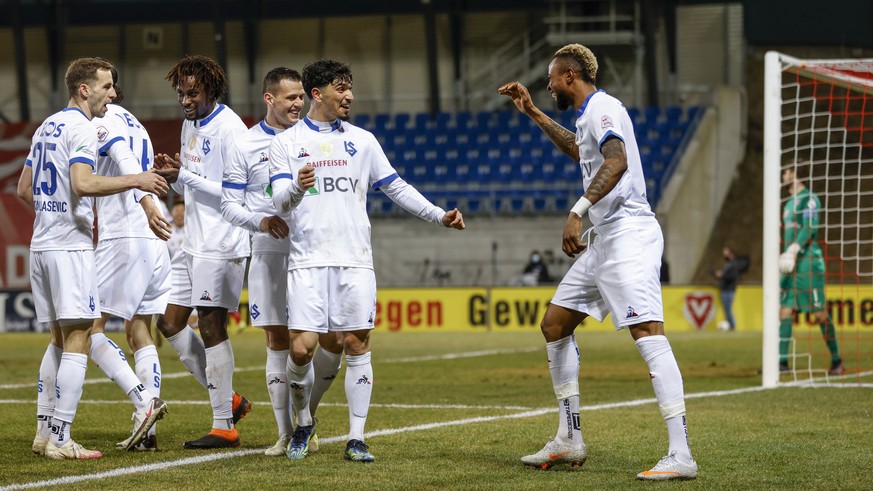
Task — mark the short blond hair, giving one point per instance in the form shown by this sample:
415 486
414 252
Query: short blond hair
582 61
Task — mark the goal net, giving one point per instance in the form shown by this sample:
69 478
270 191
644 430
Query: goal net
818 123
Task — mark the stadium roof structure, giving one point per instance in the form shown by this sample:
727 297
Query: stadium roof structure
102 12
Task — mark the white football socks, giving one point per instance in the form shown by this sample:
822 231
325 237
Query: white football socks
326 366
148 370
359 389
110 358
219 376
300 380
192 352
667 382
71 378
46 389
563 356
277 387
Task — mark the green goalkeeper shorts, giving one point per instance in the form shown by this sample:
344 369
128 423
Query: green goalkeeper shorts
803 290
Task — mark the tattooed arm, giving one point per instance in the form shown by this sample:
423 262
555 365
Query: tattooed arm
563 138
614 165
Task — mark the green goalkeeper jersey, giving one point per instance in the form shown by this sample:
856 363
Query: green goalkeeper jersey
800 219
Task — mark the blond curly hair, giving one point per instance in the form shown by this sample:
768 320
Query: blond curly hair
582 60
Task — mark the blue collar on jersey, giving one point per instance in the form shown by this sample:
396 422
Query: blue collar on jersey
585 104
314 127
203 122
267 129
76 109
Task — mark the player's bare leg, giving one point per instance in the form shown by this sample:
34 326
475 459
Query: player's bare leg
567 446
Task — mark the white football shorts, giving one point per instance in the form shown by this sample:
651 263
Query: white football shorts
268 289
133 275
64 285
619 274
203 282
331 299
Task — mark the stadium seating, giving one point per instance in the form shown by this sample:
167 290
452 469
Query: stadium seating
499 162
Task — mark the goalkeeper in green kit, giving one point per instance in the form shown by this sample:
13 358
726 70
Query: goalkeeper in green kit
802 267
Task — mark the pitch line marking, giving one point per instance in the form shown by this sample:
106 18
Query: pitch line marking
124 471
446 356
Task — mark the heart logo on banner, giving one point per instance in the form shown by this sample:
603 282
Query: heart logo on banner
699 309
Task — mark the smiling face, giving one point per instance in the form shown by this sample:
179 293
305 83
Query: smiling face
284 104
194 100
100 93
336 100
558 85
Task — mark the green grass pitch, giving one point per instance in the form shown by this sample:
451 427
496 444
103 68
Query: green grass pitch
462 421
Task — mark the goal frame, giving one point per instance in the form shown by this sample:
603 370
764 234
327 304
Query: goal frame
773 73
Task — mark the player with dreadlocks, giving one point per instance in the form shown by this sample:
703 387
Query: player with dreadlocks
207 272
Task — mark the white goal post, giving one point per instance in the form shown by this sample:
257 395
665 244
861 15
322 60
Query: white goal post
820 113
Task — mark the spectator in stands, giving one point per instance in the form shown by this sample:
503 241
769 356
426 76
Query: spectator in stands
728 276
535 272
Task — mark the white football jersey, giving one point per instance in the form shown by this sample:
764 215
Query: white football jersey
121 136
63 221
600 117
245 189
330 226
205 150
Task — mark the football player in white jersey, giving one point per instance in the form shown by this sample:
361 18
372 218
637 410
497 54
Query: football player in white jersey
319 171
133 269
246 202
618 273
59 173
207 272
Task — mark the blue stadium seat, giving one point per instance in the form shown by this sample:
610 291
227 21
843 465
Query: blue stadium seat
483 120
634 114
380 123
401 121
422 121
362 121
462 119
673 113
652 113
474 205
442 120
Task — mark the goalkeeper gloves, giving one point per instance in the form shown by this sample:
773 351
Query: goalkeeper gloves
788 258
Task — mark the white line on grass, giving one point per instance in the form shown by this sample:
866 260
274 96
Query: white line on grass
124 471
446 356
469 354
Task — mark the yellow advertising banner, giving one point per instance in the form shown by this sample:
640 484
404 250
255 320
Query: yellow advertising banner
686 308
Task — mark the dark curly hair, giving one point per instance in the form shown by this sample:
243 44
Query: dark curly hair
206 72
322 73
